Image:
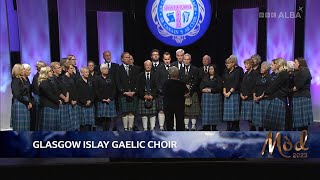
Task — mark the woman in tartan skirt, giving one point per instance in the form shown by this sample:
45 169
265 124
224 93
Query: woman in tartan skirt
231 90
246 93
260 104
21 100
49 101
147 91
211 102
85 92
35 115
189 75
69 87
277 93
105 91
302 105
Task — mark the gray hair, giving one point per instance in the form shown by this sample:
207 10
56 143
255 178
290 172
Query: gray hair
187 54
233 59
102 66
266 64
174 72
257 57
207 56
26 66
180 50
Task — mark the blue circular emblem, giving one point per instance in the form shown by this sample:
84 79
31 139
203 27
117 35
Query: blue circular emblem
178 22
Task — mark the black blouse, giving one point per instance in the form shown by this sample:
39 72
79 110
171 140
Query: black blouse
105 88
49 94
248 84
232 79
261 84
302 81
215 84
85 92
278 86
21 90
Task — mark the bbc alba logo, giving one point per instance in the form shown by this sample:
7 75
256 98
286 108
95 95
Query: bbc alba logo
178 22
282 15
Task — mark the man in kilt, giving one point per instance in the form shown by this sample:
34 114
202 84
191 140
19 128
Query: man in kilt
277 93
126 85
246 93
261 103
86 94
49 101
162 76
302 105
21 100
105 92
147 92
231 90
189 75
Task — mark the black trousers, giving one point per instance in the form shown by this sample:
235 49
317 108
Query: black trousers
169 118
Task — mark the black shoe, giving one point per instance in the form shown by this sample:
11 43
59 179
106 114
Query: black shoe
135 128
186 129
193 129
115 129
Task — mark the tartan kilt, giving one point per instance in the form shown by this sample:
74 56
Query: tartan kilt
246 110
231 108
106 110
74 118
145 112
87 116
160 103
65 119
50 119
276 115
194 109
20 116
128 107
302 114
260 112
211 108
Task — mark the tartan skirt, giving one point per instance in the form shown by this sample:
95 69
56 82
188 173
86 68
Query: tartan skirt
87 116
145 112
194 109
302 112
246 110
128 107
260 112
50 119
64 113
20 116
74 118
211 108
160 103
231 108
106 110
276 115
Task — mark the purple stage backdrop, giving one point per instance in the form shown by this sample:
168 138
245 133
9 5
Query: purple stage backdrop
280 29
245 33
5 77
13 27
312 51
72 30
34 32
110 31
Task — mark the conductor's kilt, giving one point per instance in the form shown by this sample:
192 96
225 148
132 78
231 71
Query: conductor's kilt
20 116
211 105
231 108
276 115
50 119
302 112
87 115
128 107
144 111
194 109
104 109
260 112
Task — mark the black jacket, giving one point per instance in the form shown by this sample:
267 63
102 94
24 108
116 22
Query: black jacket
141 85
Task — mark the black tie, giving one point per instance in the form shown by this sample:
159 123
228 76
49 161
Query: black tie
180 65
148 82
108 65
187 70
206 69
127 69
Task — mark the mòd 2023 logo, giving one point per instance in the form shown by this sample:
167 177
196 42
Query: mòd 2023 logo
178 22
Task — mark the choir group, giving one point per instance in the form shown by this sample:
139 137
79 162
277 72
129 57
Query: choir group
61 97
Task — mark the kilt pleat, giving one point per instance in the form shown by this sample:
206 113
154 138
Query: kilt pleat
246 110
143 111
74 118
194 109
50 119
20 116
64 113
106 110
276 115
231 108
302 114
211 107
87 115
128 107
160 103
260 112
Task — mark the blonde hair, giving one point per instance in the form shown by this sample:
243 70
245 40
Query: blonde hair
39 65
43 74
16 70
54 64
26 66
233 59
84 68
281 63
